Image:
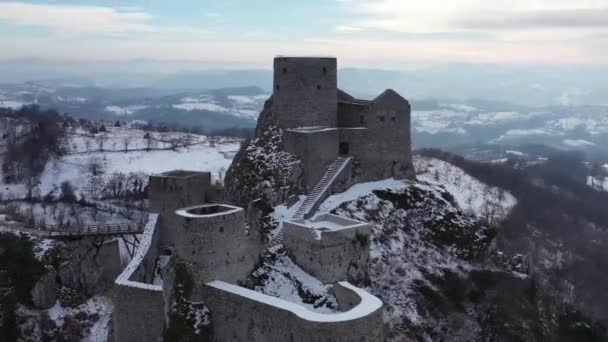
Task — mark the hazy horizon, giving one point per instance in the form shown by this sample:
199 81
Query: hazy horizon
361 33
543 52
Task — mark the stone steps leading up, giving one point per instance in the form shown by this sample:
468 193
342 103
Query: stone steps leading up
318 194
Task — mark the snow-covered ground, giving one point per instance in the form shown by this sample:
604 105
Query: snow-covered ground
124 111
577 142
97 311
472 195
598 183
358 190
284 279
238 105
98 305
201 154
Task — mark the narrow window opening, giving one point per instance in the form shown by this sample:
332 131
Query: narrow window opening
284 70
381 118
344 148
324 71
362 120
278 87
318 87
394 119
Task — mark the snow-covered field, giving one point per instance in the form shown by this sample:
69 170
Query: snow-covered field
200 154
238 105
471 195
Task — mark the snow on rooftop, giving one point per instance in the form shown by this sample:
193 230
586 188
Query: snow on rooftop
368 305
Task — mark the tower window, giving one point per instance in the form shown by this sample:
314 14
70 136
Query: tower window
284 70
278 87
394 119
343 148
318 87
362 120
324 70
381 118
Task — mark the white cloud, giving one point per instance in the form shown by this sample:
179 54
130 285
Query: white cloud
571 31
85 19
348 29
440 15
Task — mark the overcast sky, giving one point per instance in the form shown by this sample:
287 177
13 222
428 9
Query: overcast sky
249 33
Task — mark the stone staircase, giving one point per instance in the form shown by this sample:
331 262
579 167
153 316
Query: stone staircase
318 194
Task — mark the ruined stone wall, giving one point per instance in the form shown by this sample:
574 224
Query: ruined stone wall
138 314
176 189
138 304
335 256
109 256
238 318
315 149
216 245
353 114
305 92
384 149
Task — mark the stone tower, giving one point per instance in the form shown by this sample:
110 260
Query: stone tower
305 91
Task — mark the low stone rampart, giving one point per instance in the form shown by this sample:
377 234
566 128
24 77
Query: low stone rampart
240 314
139 304
329 254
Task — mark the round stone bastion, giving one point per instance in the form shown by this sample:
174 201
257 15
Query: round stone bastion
214 239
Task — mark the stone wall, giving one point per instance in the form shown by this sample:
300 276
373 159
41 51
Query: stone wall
305 91
330 256
240 314
383 148
109 256
215 241
138 304
316 149
176 189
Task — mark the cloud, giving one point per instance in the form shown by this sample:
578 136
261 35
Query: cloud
348 29
441 15
85 19
568 19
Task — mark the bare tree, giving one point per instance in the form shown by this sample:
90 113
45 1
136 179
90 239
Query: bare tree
87 145
95 166
101 139
150 142
221 175
126 141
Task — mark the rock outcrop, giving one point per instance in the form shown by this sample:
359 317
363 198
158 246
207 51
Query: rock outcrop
262 169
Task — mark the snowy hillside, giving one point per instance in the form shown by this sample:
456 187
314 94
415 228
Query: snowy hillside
94 316
236 105
127 151
472 196
421 241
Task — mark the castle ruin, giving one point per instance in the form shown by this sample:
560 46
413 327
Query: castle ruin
340 141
